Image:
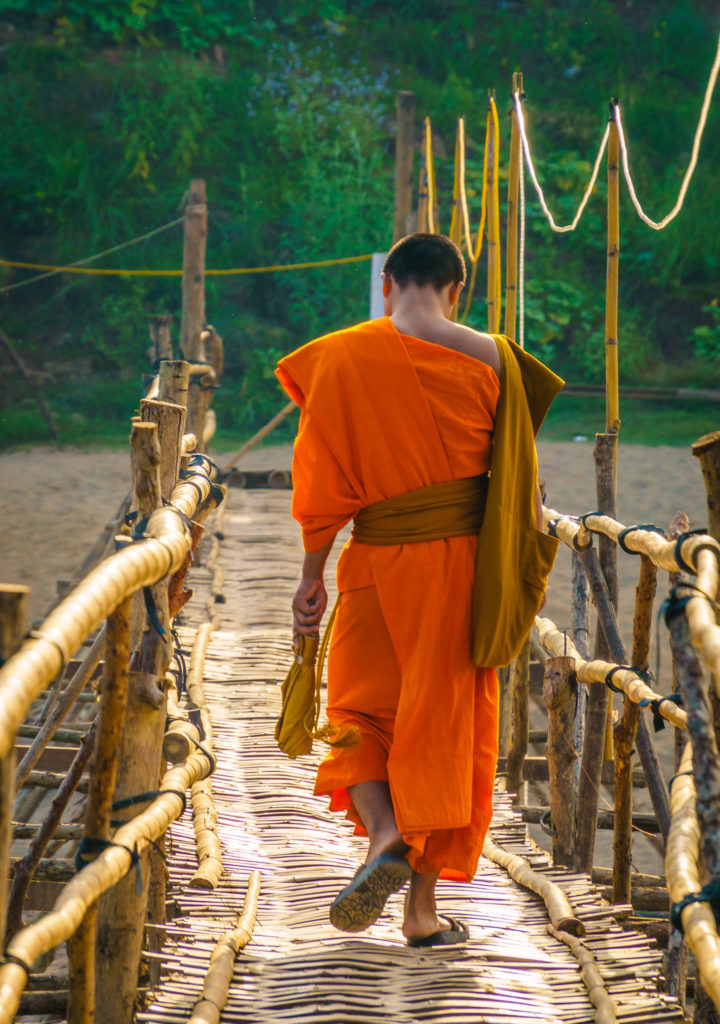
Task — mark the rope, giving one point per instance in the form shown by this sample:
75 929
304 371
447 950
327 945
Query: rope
659 225
560 228
72 268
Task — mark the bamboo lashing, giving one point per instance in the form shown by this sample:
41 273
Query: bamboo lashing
25 675
217 981
100 875
557 644
558 906
683 877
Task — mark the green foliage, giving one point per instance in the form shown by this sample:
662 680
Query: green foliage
706 337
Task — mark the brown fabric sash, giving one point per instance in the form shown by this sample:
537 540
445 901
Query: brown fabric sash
451 509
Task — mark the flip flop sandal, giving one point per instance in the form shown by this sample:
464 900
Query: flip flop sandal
362 902
457 932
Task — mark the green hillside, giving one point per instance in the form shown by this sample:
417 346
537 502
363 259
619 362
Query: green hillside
108 109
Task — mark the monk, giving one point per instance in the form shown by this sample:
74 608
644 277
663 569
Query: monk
395 412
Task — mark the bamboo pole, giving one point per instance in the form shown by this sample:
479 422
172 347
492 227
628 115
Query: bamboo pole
258 437
511 265
625 732
520 687
216 986
424 207
559 687
13 619
683 876
121 914
193 277
67 700
493 221
209 851
605 1007
612 406
707 451
558 906
173 381
98 877
26 867
404 153
505 704
581 638
111 719
605 454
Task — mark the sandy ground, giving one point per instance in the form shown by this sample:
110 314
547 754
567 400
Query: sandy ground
55 503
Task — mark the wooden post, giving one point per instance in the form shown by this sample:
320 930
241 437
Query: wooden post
625 732
581 639
110 721
174 377
404 152
160 338
170 420
424 207
214 349
612 401
193 278
559 687
505 705
493 222
520 685
13 620
707 450
121 912
511 268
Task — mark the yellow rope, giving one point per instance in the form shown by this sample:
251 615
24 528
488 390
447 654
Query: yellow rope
659 225
178 273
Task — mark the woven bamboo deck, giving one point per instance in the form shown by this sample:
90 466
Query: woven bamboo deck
297 968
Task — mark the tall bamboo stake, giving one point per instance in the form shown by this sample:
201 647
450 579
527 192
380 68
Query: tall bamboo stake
404 153
110 721
581 637
612 404
493 221
625 732
193 277
13 619
160 337
511 265
707 450
520 686
121 913
174 378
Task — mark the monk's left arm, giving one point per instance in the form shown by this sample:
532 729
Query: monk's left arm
310 599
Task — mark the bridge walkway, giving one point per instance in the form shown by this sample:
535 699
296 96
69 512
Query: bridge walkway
297 968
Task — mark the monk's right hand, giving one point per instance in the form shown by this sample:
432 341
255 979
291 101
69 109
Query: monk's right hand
308 606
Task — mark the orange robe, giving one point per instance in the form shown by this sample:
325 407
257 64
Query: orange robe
383 414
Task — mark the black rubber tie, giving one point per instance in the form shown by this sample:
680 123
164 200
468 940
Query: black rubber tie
654 704
710 893
89 845
679 543
647 527
679 775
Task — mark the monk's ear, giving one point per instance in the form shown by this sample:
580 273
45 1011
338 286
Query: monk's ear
454 293
386 285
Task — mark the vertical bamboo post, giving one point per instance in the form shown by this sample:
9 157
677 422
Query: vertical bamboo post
612 401
511 266
193 276
174 379
170 420
110 721
160 338
581 639
493 222
425 189
505 704
559 686
404 152
625 732
13 620
520 687
707 450
121 912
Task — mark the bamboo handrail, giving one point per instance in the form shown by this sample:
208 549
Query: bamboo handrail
217 981
89 884
43 656
698 550
558 906
598 994
559 645
683 877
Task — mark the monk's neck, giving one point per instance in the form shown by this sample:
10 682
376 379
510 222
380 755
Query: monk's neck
414 307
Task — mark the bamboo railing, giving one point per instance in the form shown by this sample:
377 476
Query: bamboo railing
688 817
128 744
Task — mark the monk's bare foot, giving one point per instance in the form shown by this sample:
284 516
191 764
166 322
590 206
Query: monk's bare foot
420 926
421 916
